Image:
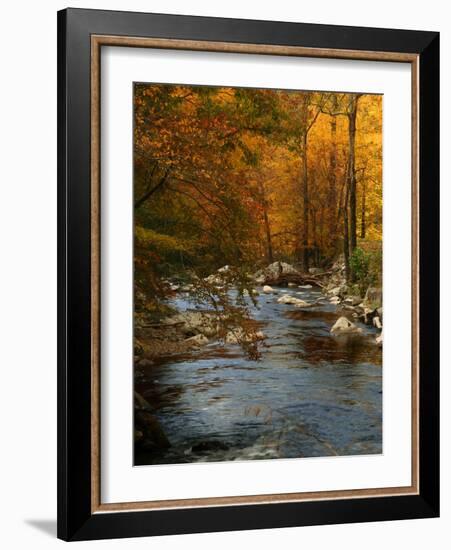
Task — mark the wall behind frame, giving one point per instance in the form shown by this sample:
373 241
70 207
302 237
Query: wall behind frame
28 274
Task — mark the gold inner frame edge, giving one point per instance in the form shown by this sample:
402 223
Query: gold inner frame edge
97 41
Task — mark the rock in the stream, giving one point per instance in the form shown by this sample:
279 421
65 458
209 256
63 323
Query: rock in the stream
377 322
334 300
292 300
302 303
344 326
269 290
305 286
198 340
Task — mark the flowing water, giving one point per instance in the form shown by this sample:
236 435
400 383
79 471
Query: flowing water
310 395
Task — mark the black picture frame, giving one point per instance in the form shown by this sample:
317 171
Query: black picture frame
75 518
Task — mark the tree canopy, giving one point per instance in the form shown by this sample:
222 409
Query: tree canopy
246 177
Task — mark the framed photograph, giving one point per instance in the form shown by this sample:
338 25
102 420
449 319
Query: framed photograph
248 274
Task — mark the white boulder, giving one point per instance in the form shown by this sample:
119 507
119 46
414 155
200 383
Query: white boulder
287 299
302 303
377 322
344 326
269 290
292 300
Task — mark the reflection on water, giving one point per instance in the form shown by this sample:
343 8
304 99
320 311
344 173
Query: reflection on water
311 394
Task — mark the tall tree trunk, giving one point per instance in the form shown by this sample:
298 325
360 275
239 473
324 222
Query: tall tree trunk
305 200
363 220
352 115
332 192
269 249
321 228
333 157
314 248
268 235
346 242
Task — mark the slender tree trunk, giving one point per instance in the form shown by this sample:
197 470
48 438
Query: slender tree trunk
363 220
333 158
152 190
351 176
305 199
346 235
269 249
321 228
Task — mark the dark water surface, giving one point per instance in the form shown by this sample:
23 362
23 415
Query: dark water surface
311 394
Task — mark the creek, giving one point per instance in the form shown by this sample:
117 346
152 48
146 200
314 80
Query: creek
312 394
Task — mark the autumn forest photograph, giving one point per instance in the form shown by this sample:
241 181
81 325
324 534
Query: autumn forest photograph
258 318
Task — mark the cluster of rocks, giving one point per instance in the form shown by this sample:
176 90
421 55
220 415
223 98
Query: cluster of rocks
273 271
200 327
367 310
292 300
218 277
